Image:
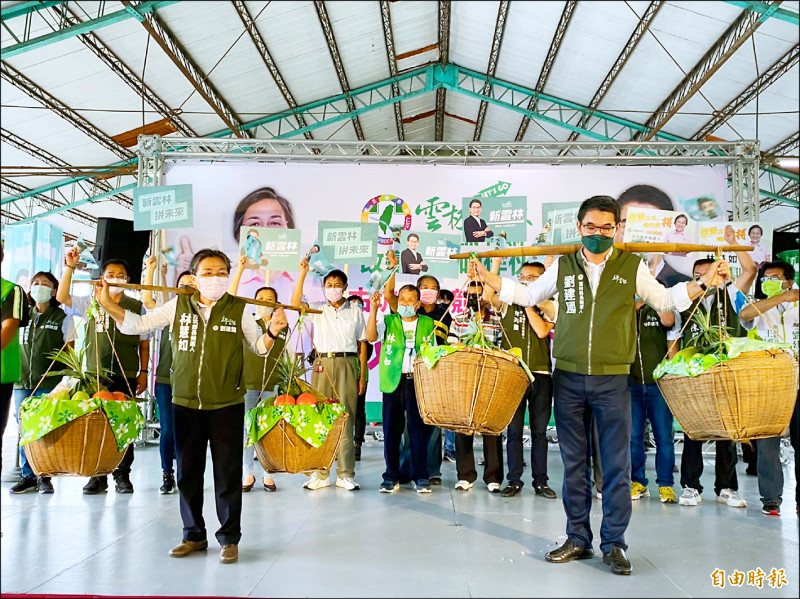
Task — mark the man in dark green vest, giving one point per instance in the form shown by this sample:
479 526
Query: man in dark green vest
209 328
722 306
594 346
14 316
405 333
103 340
528 329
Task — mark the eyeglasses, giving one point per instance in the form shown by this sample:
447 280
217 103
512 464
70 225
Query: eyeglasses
772 278
607 230
529 278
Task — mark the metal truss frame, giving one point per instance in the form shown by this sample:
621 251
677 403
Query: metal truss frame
741 158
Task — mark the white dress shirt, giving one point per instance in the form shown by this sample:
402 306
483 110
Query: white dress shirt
338 329
80 306
165 316
651 291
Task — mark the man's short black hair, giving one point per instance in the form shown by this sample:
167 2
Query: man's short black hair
475 201
532 265
335 274
356 298
410 288
414 235
424 278
645 194
701 262
446 295
601 203
209 253
704 199
115 262
788 269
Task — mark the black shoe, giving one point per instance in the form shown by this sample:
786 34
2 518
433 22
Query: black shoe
617 560
435 480
122 483
168 487
568 552
751 471
25 484
450 456
45 486
512 489
357 451
96 484
545 491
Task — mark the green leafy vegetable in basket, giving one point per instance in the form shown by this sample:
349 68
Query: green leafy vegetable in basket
87 379
710 339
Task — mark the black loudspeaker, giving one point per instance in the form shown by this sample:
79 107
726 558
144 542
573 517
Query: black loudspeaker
117 239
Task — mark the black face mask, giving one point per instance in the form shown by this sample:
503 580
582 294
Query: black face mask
473 303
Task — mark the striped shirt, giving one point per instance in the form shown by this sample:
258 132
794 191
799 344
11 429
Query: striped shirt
464 324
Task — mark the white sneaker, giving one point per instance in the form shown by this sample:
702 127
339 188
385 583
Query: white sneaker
316 482
463 485
689 497
731 497
348 484
493 487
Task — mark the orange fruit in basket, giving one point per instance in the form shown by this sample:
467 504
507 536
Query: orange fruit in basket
284 400
306 399
105 395
120 396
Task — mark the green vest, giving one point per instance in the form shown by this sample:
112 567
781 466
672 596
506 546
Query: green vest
164 368
99 347
262 373
43 336
729 316
393 348
596 335
207 358
519 333
651 345
10 358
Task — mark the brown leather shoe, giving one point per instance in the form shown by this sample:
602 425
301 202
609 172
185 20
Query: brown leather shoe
185 548
228 554
568 552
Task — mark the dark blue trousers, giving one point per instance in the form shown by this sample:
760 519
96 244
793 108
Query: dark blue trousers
400 409
610 402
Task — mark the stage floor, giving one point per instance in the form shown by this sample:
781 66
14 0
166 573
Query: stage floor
334 543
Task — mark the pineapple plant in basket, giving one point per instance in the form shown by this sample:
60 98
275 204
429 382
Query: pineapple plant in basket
81 381
292 389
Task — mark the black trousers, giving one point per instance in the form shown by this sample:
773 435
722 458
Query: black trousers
6 391
538 401
118 383
724 467
492 453
361 419
794 435
400 409
222 429
609 398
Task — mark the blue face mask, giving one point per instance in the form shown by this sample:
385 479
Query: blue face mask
406 311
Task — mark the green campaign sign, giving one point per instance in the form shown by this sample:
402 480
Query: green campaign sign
165 207
434 251
270 249
500 214
347 242
558 223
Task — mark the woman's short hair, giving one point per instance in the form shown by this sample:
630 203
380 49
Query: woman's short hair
262 193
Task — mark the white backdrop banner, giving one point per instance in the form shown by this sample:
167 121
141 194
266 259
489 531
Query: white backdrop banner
399 199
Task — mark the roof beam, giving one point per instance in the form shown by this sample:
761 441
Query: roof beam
766 11
269 62
444 59
491 68
782 147
391 57
327 29
53 160
735 35
64 32
767 78
555 46
181 59
70 207
124 72
21 82
50 204
25 8
638 33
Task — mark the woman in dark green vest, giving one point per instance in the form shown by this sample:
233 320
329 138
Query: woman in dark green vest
103 340
208 330
260 375
48 329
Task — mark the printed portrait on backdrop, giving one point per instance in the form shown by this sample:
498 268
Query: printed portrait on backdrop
411 261
475 228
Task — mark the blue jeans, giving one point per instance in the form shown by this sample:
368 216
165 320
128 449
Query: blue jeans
434 455
450 442
647 402
166 442
19 396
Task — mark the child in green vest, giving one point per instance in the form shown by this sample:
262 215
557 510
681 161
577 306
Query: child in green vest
405 333
209 329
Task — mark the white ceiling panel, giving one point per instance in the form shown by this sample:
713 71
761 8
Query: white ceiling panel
472 27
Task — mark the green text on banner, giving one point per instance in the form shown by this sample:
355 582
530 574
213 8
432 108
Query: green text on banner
348 242
166 207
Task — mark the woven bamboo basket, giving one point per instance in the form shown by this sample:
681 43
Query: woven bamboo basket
282 450
84 447
470 391
749 397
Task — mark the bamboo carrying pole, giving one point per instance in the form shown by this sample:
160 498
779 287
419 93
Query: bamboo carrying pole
569 248
181 291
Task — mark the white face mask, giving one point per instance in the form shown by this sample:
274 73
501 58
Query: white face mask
264 312
113 289
41 294
333 294
212 287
